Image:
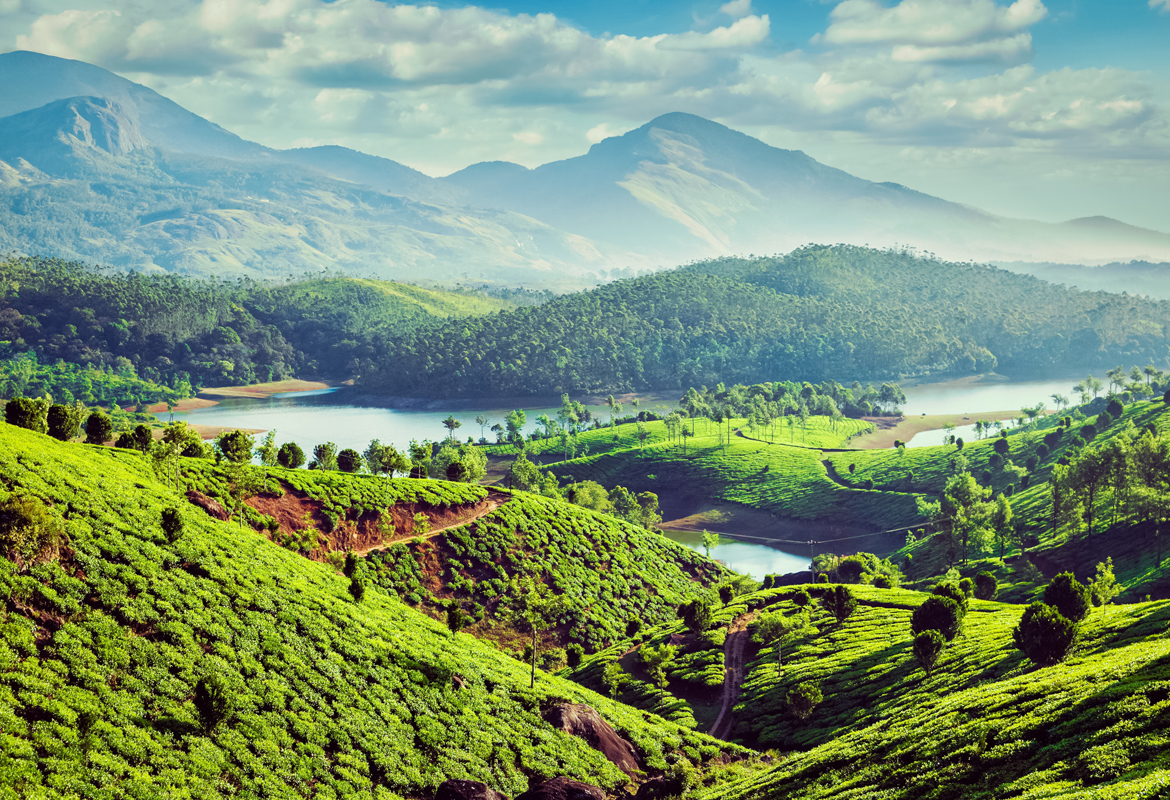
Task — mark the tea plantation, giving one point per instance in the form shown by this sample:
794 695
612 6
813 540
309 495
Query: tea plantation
210 662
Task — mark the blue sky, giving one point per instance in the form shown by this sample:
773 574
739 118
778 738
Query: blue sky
1048 109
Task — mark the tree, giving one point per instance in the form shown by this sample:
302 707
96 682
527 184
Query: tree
1044 635
850 569
290 456
524 475
267 451
457 620
710 541
1001 446
244 481
803 698
140 439
613 676
1093 385
928 646
986 586
697 614
27 413
938 613
324 457
536 607
515 422
212 702
357 588
964 511
615 408
481 420
1001 522
657 660
187 441
574 652
1068 596
172 524
235 446
349 460
1104 587
64 421
451 424
839 601
99 429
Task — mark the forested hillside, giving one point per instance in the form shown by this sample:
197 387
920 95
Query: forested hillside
819 312
167 653
129 337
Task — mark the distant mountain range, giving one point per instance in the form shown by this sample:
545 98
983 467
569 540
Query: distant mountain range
98 168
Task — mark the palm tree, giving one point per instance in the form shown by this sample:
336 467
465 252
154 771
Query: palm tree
450 423
482 421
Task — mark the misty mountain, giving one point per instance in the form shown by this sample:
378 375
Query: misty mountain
97 168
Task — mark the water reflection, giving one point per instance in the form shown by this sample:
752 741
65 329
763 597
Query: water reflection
747 558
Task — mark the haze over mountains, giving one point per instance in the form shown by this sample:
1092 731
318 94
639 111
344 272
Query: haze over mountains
97 168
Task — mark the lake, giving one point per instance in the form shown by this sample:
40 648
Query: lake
746 558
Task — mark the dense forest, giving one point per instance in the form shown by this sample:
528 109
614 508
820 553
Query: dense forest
105 337
819 312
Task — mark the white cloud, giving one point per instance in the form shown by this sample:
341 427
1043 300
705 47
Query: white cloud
741 8
1011 49
1165 4
929 22
600 132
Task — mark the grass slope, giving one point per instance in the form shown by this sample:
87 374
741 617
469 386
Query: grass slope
609 571
330 698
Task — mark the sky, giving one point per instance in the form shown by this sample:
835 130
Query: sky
1048 110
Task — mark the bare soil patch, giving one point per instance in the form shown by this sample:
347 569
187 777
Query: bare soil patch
262 390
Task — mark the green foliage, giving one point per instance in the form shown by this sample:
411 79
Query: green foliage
349 460
212 702
803 699
986 586
235 446
64 421
172 524
327 695
819 311
839 601
697 614
1045 635
28 530
938 613
98 428
1068 596
290 456
928 646
29 413
657 661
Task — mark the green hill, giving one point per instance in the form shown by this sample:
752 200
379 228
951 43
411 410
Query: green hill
106 638
819 312
987 723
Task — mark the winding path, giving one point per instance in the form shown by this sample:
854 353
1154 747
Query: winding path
834 476
490 504
734 671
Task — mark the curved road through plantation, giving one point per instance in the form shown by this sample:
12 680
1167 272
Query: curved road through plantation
734 671
487 506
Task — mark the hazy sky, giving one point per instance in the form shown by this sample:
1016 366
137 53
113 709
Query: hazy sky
1049 110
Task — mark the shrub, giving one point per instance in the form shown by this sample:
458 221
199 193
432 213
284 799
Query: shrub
1068 596
212 702
1002 446
696 615
172 524
853 467
951 589
937 613
928 646
726 593
349 460
418 471
1104 762
1115 408
802 598
986 586
573 654
839 602
28 529
822 578
850 569
290 456
64 422
24 412
1032 462
883 582
868 484
456 471
633 627
967 587
996 461
1042 452
99 429
803 698
1044 635
357 589
985 478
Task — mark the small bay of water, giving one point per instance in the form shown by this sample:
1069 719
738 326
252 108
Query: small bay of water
746 558
974 396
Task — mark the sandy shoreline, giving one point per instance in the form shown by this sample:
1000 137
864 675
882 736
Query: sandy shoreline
890 429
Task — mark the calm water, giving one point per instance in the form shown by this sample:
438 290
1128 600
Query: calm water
311 418
967 397
756 560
